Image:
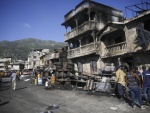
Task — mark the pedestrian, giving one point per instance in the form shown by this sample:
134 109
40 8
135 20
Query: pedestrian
18 75
140 76
133 82
146 85
13 78
121 83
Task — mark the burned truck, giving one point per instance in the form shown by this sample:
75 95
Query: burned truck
60 66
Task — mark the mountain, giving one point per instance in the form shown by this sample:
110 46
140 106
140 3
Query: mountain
20 49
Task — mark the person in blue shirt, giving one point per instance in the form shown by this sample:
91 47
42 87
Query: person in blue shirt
134 87
146 85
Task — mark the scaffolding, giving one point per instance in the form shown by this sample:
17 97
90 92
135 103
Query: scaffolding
137 9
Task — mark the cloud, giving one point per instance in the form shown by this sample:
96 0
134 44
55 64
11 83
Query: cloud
26 25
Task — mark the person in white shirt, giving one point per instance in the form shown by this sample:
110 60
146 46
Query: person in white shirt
13 76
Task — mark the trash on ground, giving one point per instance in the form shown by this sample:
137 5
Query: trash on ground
113 108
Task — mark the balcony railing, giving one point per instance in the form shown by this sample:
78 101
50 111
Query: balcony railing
115 49
89 25
81 51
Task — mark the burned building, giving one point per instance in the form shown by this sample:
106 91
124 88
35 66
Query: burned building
128 42
100 38
85 24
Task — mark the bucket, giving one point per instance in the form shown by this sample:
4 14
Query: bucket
39 81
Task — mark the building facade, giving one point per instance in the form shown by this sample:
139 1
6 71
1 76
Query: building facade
4 62
17 65
100 38
34 57
85 21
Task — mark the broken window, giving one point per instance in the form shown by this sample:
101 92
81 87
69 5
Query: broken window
92 15
147 25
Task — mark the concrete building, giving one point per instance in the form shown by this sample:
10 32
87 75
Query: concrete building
34 57
4 62
87 19
128 41
17 65
99 37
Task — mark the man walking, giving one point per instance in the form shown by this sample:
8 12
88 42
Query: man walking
13 76
133 81
121 83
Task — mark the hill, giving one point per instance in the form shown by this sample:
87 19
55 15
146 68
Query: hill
20 49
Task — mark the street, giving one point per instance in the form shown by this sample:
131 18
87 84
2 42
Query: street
29 98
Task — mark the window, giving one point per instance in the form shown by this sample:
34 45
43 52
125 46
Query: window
118 40
34 63
147 25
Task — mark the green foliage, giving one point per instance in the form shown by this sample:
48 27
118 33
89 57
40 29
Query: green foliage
20 49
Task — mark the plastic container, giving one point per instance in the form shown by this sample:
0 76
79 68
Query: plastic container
39 81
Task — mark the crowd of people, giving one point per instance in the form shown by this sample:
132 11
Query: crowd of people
136 81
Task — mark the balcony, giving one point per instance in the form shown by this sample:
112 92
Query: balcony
82 51
54 56
89 25
115 49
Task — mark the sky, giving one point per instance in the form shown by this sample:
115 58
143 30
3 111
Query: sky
42 19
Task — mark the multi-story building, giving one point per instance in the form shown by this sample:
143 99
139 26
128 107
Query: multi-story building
129 41
34 57
4 62
17 65
85 21
99 35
